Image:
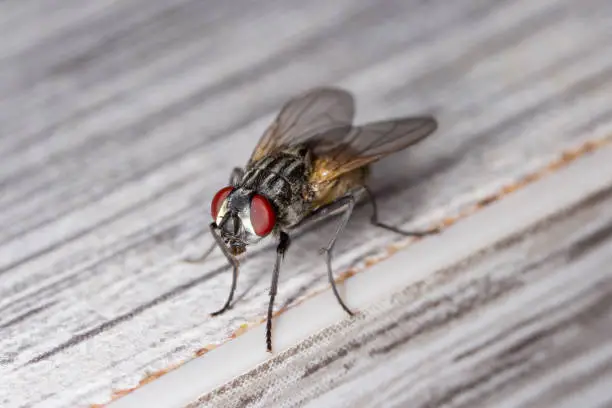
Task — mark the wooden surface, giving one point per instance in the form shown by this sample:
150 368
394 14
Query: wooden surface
504 318
516 315
119 121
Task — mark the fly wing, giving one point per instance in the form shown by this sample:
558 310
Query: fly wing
305 117
365 144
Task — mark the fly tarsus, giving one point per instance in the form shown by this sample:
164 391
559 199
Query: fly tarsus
375 221
233 261
346 204
328 257
418 234
228 302
202 257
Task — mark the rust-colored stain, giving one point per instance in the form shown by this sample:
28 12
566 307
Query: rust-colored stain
565 158
369 262
345 275
447 222
145 380
241 329
204 350
488 200
390 251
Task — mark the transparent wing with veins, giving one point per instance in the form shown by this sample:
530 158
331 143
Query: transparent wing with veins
322 118
362 145
306 116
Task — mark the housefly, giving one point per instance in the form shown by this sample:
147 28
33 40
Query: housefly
309 164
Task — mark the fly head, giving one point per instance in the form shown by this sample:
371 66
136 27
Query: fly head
243 217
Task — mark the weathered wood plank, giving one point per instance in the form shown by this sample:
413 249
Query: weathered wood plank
504 331
481 322
119 120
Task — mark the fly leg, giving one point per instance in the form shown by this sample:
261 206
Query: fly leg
235 178
282 247
233 261
374 220
201 258
344 205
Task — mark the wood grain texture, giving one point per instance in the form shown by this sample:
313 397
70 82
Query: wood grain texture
497 329
119 120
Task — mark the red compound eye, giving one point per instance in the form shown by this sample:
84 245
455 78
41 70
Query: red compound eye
218 200
263 217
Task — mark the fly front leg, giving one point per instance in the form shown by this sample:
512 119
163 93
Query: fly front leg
201 258
281 249
232 260
374 220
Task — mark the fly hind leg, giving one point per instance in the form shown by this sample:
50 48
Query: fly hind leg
344 205
374 220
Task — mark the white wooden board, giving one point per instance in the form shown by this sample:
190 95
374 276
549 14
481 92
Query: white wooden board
119 121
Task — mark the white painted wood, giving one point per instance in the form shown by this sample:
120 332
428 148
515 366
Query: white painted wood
119 121
385 293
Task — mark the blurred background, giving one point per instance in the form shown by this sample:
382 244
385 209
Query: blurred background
119 120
